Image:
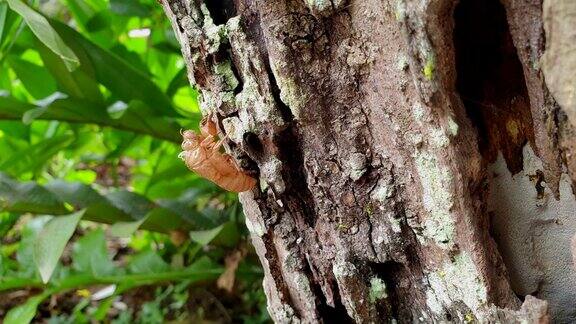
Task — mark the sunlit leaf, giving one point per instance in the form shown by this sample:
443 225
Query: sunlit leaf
79 83
126 82
81 10
180 80
3 16
45 33
125 229
51 242
80 111
25 253
24 313
35 78
83 176
206 236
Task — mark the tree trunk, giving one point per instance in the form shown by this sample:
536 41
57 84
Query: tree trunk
373 127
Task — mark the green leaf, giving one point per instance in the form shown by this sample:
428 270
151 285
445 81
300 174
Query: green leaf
205 237
147 262
201 270
79 195
131 203
34 113
7 222
25 254
3 15
45 33
79 83
122 79
165 220
24 313
146 213
131 209
228 236
35 78
132 58
81 111
185 207
35 156
129 8
81 10
98 22
28 197
16 130
51 242
180 80
167 47
89 255
126 229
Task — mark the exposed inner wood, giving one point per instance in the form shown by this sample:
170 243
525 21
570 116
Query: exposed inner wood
534 232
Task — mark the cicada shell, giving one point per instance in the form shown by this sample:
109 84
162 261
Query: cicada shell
202 155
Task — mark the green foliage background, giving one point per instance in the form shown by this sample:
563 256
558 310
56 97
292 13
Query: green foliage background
93 94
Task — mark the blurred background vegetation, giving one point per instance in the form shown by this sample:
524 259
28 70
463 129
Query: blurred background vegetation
99 219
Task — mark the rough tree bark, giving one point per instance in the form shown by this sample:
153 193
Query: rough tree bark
371 126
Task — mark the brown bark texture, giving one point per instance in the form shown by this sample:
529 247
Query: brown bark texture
370 126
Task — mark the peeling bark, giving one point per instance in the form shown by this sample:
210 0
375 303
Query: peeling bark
370 128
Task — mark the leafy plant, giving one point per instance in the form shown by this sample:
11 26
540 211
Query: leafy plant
95 206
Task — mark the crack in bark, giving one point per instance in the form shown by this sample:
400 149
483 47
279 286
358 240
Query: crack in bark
275 267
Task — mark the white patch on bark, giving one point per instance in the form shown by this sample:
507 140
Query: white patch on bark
394 223
343 269
257 228
437 199
215 34
459 280
357 165
433 303
271 173
382 192
234 129
418 111
452 127
438 137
